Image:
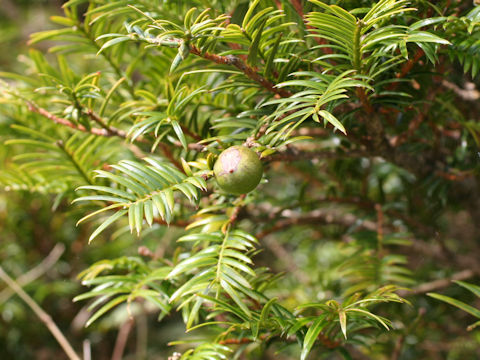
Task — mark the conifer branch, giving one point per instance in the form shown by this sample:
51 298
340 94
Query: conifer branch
242 66
106 130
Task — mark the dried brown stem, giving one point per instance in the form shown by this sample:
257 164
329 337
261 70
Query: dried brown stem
295 155
122 338
35 272
318 217
438 284
247 340
42 315
87 350
469 93
236 341
145 251
397 350
378 209
281 253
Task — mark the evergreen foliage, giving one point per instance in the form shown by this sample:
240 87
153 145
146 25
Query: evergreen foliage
367 145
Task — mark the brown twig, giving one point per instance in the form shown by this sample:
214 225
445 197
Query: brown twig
87 350
469 93
112 131
190 133
306 176
120 133
177 223
318 217
314 132
169 155
362 95
438 284
106 131
141 335
192 146
406 68
377 139
297 5
242 66
416 122
378 209
42 315
145 251
236 210
296 155
281 253
246 340
461 176
122 338
397 350
236 341
58 120
35 272
327 342
362 203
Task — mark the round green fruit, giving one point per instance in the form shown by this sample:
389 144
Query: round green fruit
238 170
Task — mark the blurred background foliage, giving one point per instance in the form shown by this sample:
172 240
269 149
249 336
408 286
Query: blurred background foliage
30 229
32 225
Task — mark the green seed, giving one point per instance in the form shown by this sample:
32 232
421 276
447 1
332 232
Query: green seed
238 170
